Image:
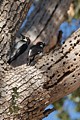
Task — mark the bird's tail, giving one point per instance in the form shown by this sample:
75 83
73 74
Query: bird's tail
9 61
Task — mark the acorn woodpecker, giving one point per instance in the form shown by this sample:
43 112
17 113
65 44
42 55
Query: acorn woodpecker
19 48
34 51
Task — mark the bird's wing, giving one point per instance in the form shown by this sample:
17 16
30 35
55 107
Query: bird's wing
34 51
19 44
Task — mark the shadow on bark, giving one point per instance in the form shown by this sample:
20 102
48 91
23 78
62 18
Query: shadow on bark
41 25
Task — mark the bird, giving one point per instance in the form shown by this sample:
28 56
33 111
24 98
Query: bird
35 50
19 48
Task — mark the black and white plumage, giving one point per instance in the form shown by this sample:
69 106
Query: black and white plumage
19 48
35 50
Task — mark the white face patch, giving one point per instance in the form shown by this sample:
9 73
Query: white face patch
38 52
30 52
41 54
41 45
25 39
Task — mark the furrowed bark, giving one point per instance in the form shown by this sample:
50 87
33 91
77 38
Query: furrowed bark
27 90
54 76
12 13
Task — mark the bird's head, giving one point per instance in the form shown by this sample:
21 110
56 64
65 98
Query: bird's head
41 44
27 40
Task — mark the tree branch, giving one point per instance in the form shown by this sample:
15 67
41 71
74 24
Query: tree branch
54 76
26 90
48 111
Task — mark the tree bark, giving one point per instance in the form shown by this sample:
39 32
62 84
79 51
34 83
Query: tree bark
12 13
27 90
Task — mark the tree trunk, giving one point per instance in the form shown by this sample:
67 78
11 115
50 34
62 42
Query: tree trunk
27 90
12 13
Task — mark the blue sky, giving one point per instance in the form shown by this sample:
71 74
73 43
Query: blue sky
32 8
51 116
68 106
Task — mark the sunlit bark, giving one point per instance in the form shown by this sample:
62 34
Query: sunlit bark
27 90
